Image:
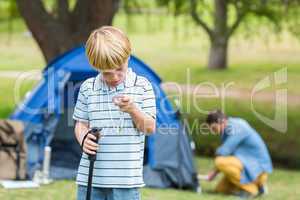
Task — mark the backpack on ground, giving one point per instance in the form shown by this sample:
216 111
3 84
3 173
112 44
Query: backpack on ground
12 150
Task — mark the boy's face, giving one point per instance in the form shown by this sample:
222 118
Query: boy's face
114 77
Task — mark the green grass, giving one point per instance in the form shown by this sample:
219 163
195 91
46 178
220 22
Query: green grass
283 184
19 52
12 93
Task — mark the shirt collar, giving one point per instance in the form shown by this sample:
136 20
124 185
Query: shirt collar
129 81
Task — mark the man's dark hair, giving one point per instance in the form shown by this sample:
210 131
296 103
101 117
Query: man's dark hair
215 116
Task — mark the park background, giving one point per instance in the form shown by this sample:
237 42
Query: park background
167 38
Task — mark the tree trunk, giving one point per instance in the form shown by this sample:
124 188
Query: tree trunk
56 34
219 37
218 54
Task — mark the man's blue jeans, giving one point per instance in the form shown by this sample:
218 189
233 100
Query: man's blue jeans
109 193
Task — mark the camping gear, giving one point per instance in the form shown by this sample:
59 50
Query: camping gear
42 176
92 159
47 114
12 150
9 184
46 165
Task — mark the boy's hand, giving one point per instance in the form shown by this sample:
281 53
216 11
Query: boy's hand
89 145
125 103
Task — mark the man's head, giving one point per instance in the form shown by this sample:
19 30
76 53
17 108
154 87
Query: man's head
108 50
217 121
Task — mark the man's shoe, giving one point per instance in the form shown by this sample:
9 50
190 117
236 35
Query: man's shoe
263 190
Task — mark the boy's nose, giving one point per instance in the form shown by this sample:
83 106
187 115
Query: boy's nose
115 77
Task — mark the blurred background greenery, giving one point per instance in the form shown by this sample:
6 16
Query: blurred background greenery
167 35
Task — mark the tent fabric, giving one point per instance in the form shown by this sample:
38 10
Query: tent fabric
47 110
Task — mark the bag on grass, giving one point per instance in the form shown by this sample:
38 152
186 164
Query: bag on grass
12 150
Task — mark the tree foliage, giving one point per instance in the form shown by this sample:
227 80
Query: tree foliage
59 25
221 18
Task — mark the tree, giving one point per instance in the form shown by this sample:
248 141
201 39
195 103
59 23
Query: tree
223 26
68 24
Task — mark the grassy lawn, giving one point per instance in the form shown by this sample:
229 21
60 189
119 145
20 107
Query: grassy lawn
11 94
283 184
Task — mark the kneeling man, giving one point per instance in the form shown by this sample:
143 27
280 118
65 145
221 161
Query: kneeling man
243 157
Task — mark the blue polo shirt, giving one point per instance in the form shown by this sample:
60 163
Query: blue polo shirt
242 141
119 162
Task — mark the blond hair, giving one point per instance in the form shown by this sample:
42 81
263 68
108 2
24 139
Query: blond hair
107 48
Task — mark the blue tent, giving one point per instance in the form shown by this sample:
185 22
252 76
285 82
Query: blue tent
47 115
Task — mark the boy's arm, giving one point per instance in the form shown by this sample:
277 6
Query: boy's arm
144 122
80 129
89 146
81 118
144 116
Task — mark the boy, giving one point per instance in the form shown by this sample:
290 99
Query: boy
123 105
243 157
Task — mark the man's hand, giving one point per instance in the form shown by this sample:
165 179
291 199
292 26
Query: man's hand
209 177
89 145
125 103
212 175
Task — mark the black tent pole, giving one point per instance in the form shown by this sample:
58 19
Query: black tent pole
89 187
92 158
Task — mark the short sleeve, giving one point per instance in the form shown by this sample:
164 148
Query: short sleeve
235 136
149 105
81 107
